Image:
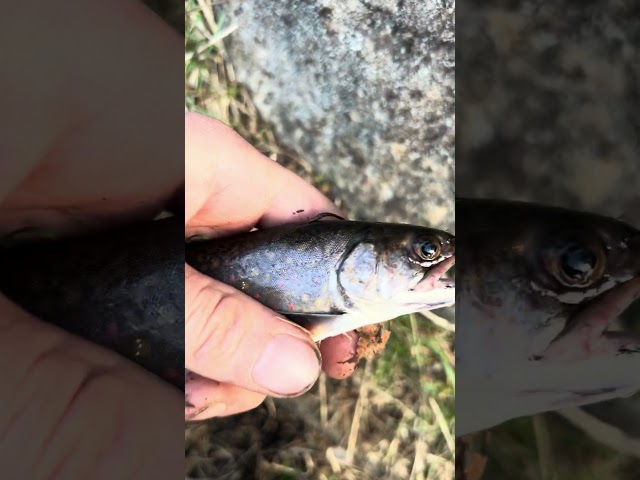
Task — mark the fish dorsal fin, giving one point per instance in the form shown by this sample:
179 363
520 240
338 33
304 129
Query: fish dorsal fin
320 216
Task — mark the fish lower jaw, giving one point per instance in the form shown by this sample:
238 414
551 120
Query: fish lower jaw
529 388
415 301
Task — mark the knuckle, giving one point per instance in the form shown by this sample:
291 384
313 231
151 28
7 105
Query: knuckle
213 323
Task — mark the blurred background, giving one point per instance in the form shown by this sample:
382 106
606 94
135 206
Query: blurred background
547 111
357 98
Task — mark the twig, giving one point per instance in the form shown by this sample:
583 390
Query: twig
322 391
217 38
419 460
602 432
543 444
206 9
442 423
357 414
439 321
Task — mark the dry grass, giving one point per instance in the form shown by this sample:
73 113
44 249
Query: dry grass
547 447
392 419
211 88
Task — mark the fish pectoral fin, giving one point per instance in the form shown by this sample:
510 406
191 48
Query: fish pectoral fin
323 326
320 326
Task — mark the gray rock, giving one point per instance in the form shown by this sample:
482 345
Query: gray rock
364 90
547 103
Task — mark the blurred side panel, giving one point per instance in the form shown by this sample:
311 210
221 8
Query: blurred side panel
546 113
91 242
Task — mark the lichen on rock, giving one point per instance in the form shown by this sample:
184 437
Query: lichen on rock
364 90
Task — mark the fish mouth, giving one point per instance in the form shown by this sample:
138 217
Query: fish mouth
588 332
434 291
432 278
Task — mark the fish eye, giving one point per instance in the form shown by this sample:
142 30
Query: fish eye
428 250
577 262
576 265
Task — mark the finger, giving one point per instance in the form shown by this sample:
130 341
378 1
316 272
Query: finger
231 338
339 355
54 384
207 398
230 186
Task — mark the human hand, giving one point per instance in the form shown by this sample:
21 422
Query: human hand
79 140
237 350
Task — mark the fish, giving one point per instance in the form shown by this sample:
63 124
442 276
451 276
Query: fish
332 275
121 288
539 289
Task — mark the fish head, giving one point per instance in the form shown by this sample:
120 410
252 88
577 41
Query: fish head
534 267
397 269
538 288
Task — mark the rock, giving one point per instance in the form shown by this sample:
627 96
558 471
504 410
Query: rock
364 90
547 103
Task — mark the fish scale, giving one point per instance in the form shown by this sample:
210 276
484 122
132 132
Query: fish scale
337 273
122 289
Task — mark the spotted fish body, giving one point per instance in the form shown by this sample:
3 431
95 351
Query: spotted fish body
536 288
122 289
334 276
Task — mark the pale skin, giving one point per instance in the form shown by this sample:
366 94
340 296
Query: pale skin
76 151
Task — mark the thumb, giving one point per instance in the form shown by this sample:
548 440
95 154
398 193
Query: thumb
231 338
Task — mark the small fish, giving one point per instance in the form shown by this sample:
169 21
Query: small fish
334 276
121 288
538 288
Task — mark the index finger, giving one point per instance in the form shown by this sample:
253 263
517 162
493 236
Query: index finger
232 187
